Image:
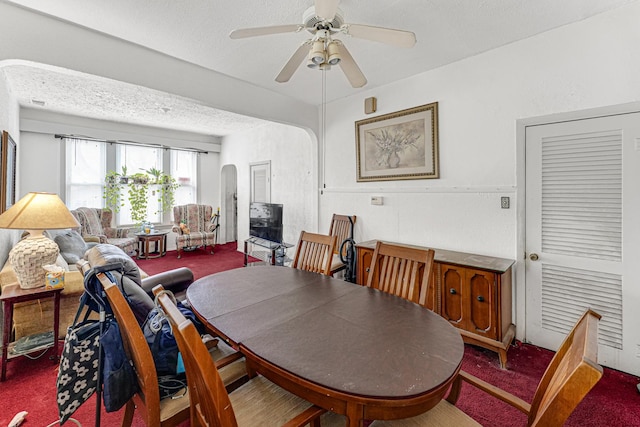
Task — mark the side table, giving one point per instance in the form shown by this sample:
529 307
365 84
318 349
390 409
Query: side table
275 253
12 294
158 238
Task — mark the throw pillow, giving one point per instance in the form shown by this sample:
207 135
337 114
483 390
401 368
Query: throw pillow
72 245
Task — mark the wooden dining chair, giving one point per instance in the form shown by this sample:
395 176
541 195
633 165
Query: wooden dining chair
155 412
258 402
341 228
403 271
314 252
571 374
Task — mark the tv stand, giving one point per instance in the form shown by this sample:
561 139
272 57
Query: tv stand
275 253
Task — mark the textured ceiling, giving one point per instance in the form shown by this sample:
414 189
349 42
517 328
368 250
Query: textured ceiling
197 32
67 92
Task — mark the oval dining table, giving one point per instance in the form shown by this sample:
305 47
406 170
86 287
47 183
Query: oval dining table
347 348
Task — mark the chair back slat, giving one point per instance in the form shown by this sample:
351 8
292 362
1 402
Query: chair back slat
314 252
404 272
341 228
137 349
572 373
210 403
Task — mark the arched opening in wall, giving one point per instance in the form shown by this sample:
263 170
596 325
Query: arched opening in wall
229 204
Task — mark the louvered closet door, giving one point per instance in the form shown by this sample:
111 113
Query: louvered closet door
582 239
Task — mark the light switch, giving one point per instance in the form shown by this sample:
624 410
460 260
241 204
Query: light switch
376 200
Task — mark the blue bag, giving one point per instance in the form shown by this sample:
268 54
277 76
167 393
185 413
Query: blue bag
118 377
159 335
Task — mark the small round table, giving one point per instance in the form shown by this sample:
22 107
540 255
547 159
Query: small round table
159 238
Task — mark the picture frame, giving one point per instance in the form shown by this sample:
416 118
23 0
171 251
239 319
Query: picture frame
399 145
8 155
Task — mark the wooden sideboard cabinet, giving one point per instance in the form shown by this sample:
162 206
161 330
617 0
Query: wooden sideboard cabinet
473 292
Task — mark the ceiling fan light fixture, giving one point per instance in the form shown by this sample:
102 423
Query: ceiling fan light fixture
333 53
311 64
317 54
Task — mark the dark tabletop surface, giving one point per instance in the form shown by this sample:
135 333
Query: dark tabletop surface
337 334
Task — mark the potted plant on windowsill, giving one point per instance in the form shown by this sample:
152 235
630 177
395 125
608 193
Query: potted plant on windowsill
168 189
138 186
138 191
124 178
112 194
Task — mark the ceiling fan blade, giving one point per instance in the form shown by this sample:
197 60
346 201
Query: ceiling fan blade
390 36
264 31
294 62
350 68
326 9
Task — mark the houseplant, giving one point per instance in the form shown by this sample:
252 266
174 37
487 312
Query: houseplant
138 191
124 178
138 187
168 189
112 194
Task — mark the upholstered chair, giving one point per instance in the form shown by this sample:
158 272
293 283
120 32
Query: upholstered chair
96 224
193 227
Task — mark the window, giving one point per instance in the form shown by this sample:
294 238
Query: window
183 169
139 159
85 165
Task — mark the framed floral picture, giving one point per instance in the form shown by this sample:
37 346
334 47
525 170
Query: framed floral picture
400 145
7 172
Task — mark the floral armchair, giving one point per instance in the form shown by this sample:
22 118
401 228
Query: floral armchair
96 224
193 227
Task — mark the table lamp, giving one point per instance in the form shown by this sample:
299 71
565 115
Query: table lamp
35 213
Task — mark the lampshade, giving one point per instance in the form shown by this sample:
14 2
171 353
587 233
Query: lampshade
36 212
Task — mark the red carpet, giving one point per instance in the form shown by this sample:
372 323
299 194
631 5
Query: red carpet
201 262
30 384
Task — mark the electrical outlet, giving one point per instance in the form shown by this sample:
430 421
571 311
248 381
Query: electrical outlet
504 202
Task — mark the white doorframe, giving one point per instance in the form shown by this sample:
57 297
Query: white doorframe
228 221
519 272
260 181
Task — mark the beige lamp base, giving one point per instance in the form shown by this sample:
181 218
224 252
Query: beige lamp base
29 255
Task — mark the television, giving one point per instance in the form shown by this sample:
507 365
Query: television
265 221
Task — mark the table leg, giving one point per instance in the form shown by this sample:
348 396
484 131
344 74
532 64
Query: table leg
56 323
7 307
245 253
355 415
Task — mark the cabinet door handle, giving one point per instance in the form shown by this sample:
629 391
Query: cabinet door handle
480 298
452 291
368 269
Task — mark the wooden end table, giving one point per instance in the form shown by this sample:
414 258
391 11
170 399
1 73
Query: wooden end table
158 238
12 294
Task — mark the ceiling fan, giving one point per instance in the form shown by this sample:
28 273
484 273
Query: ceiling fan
323 21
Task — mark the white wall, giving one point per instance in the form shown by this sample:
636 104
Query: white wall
9 122
584 65
293 178
587 65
